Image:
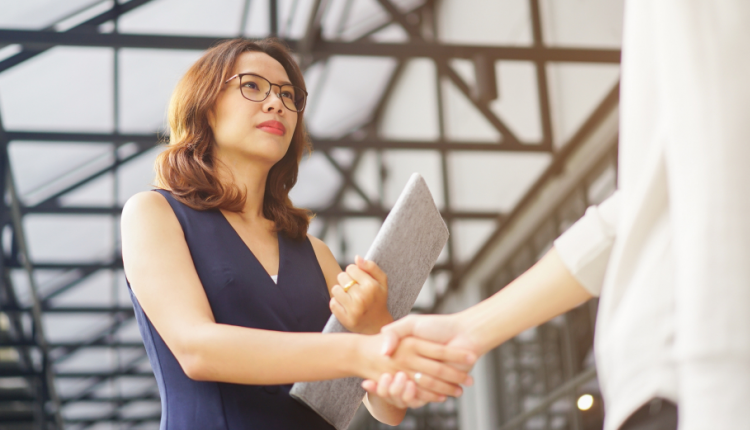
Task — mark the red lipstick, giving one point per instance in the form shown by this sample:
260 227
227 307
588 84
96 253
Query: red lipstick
273 127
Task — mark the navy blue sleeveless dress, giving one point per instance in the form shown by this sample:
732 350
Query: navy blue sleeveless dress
241 293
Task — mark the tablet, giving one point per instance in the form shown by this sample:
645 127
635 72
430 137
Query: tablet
406 248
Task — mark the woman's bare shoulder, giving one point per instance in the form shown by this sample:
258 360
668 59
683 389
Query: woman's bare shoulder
320 248
149 228
147 207
326 260
316 243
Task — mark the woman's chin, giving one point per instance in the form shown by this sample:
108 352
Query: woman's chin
266 151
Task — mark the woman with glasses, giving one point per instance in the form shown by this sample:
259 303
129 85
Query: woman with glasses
228 287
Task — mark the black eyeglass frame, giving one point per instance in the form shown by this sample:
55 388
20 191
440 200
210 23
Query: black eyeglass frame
270 87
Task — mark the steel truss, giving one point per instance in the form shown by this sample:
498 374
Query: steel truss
37 358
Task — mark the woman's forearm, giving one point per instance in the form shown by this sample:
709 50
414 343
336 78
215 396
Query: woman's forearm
239 355
544 291
226 353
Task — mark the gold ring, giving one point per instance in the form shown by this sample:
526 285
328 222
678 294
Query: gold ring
417 377
349 285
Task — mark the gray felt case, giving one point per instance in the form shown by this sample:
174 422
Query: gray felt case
406 248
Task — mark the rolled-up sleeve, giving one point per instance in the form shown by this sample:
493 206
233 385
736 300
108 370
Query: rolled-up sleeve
586 246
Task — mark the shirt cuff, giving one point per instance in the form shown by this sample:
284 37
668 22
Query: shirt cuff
586 246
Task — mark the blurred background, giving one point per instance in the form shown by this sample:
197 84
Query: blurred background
508 108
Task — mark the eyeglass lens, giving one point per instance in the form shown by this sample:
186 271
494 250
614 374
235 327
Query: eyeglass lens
256 88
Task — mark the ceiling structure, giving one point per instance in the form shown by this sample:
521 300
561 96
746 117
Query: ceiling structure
481 97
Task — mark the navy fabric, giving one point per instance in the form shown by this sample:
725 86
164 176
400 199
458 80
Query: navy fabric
241 293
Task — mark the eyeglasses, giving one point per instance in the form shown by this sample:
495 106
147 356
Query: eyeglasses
257 88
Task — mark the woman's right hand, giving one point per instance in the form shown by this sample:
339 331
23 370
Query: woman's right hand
438 377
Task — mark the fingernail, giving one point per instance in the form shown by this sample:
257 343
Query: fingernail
442 399
457 392
471 358
469 381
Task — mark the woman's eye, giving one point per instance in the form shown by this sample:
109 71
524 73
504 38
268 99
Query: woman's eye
288 95
251 85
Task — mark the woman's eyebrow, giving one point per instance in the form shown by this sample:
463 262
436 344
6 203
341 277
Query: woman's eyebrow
258 74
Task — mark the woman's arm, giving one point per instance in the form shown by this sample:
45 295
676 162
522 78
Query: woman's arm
163 278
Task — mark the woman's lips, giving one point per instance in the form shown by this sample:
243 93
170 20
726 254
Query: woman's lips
273 127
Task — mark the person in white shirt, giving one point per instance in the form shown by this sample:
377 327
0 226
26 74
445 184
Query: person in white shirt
669 253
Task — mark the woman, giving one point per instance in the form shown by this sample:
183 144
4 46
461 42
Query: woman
226 282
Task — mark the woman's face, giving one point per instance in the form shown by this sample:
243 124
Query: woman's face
244 129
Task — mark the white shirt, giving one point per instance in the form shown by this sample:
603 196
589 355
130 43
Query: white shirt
669 252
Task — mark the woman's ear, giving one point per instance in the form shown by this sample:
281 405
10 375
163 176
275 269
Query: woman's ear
211 117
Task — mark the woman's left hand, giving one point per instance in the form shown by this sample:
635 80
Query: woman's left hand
363 308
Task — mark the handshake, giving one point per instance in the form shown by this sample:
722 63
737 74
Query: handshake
431 357
412 361
424 358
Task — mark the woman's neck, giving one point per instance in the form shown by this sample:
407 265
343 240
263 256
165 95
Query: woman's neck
247 176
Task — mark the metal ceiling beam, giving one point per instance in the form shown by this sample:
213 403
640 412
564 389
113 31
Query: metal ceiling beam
12 206
370 129
126 370
397 16
111 168
545 111
85 137
322 144
509 138
117 419
81 275
144 397
85 344
84 28
373 212
347 178
609 102
322 49
82 375
74 310
117 264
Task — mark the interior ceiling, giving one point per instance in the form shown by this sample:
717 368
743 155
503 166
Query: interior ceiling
477 96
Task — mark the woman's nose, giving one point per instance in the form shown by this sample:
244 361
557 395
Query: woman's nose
275 103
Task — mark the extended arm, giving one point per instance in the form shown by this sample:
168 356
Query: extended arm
544 291
569 274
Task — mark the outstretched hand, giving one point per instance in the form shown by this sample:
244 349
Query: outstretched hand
444 329
438 367
402 390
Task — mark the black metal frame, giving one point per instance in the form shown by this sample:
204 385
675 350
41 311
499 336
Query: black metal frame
270 87
421 28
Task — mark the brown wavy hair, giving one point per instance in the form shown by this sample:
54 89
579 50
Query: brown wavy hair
187 167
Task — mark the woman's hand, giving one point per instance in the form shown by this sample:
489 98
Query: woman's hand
433 361
398 391
363 308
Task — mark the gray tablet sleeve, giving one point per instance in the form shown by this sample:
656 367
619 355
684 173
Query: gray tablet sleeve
406 248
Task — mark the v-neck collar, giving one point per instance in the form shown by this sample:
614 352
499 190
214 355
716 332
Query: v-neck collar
279 239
